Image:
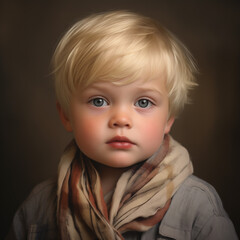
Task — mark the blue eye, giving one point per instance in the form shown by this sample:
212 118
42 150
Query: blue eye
143 103
99 102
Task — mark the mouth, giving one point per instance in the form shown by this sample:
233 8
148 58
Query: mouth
120 142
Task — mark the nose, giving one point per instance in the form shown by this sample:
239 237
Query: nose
120 120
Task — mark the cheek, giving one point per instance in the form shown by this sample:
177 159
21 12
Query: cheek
153 132
87 131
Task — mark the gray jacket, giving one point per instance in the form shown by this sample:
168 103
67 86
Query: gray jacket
196 212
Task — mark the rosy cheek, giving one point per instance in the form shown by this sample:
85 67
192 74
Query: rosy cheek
150 132
153 132
88 130
86 127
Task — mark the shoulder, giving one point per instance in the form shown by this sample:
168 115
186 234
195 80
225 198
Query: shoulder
41 200
197 194
37 213
196 212
43 191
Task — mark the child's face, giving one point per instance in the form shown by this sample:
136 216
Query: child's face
119 126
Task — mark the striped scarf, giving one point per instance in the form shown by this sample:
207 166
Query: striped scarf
141 197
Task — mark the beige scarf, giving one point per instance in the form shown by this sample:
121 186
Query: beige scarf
140 200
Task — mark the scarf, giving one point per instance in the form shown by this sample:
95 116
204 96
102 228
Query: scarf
141 197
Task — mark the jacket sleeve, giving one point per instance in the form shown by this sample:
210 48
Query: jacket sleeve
36 217
196 213
18 229
217 227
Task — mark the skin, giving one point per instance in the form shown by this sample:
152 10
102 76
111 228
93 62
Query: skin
103 113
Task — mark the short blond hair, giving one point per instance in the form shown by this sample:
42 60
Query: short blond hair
122 47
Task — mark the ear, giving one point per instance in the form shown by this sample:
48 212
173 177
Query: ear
65 120
169 125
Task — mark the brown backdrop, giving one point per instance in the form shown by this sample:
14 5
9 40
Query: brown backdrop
31 133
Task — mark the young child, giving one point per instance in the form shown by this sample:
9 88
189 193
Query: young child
121 79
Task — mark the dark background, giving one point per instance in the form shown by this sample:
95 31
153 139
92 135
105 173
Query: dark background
32 138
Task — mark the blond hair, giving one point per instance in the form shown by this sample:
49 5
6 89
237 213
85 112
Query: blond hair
122 47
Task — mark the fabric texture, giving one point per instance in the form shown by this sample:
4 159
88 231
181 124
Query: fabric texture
195 213
140 200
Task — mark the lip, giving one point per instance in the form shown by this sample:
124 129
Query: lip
120 142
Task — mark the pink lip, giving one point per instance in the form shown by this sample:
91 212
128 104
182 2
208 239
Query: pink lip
120 142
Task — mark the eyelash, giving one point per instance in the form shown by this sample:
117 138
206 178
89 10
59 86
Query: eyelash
101 102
